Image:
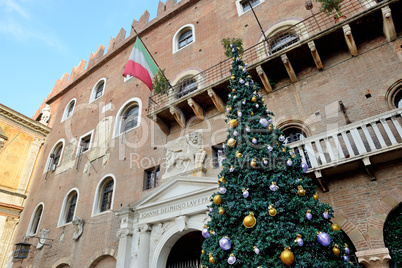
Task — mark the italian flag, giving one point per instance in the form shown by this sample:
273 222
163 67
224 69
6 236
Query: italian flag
140 64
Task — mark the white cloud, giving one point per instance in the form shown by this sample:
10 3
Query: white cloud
11 6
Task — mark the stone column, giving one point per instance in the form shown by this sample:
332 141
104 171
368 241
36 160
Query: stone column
26 174
143 251
6 239
125 235
374 258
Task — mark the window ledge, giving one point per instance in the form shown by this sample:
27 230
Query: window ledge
101 213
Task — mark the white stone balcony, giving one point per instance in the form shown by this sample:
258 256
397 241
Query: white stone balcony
372 140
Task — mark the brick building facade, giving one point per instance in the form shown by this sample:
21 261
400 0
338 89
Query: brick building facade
121 160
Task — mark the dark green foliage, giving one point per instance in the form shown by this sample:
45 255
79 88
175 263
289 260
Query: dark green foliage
160 84
329 6
393 235
238 42
270 234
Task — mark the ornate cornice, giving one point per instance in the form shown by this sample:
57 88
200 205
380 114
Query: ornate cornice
23 120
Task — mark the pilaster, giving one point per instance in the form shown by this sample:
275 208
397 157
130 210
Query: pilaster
125 235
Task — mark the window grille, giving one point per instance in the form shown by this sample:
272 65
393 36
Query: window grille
185 38
99 91
151 178
130 119
282 41
186 87
71 208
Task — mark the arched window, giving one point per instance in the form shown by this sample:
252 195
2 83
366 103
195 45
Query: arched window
98 90
183 37
186 86
128 117
35 220
282 40
69 207
55 156
69 110
104 195
293 134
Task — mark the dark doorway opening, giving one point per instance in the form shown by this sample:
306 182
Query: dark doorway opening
186 252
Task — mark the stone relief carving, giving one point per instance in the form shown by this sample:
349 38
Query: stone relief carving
45 115
101 139
122 233
86 167
43 234
181 223
184 154
68 159
157 231
79 227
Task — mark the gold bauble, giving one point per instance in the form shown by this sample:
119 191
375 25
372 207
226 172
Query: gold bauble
232 77
217 199
254 98
249 221
253 163
211 259
335 227
287 256
221 180
238 154
233 123
252 113
270 127
272 211
336 250
263 99
221 211
202 251
233 90
231 142
315 196
284 149
301 191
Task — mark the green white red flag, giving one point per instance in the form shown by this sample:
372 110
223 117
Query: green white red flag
140 64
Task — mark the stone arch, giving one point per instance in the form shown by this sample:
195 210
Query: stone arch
386 90
101 255
381 210
62 263
351 231
170 237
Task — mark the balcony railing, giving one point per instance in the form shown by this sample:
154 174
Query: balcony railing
185 264
355 141
303 30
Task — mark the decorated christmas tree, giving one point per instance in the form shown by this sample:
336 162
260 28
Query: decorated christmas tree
266 213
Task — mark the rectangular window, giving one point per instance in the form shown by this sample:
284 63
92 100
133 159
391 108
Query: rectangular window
151 179
217 156
246 4
84 143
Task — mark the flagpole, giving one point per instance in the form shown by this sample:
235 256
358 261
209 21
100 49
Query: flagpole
259 24
138 36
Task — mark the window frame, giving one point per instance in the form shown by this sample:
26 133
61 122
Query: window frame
48 161
95 90
119 116
179 33
96 208
290 36
392 94
154 170
240 7
29 231
191 89
91 135
66 207
66 113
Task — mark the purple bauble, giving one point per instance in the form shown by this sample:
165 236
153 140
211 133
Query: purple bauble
264 122
231 259
235 133
227 110
248 129
239 114
347 250
273 187
222 190
211 210
257 105
225 243
289 162
241 81
246 193
309 216
281 138
324 239
299 242
325 215
245 70
269 147
265 161
304 166
205 233
270 121
244 102
254 141
235 96
345 258
256 250
231 169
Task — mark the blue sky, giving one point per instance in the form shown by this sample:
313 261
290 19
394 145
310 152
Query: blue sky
42 39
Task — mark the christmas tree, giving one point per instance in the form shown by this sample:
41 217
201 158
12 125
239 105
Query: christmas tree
266 213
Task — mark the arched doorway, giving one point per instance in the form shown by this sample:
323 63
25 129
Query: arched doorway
392 236
186 251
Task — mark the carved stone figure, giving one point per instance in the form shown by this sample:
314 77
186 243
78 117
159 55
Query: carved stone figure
79 227
43 234
45 115
184 154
